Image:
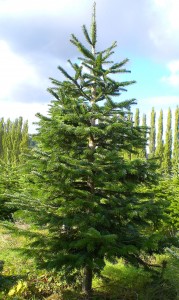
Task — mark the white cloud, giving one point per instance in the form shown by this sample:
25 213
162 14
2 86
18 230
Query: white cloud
164 30
14 71
162 101
169 9
40 7
173 66
173 78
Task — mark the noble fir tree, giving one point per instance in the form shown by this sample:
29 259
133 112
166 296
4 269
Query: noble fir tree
85 193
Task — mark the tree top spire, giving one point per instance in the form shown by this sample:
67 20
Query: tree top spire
93 25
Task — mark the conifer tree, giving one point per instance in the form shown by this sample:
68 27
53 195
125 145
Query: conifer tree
167 154
175 156
137 118
129 118
159 147
136 124
152 135
1 136
143 152
84 192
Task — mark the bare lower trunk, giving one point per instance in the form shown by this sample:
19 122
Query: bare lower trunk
87 283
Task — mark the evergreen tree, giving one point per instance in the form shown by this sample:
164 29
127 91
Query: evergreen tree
24 142
9 186
6 141
175 156
137 118
167 154
129 119
159 147
143 152
152 135
92 200
1 136
136 124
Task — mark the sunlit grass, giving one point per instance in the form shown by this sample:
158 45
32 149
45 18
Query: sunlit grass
21 279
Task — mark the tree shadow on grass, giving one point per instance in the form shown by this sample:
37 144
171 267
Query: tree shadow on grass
8 281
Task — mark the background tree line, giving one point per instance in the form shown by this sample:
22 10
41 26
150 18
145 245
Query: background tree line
163 143
14 142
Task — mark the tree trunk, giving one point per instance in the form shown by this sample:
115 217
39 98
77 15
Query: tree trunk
87 282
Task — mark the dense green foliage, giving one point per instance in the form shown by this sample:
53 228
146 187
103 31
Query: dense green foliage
13 143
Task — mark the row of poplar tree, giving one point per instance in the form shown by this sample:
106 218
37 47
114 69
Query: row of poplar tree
15 143
163 143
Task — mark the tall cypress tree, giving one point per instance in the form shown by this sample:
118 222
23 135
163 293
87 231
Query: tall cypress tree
136 124
129 119
1 136
137 118
24 142
6 142
143 152
167 154
152 135
86 194
159 147
175 156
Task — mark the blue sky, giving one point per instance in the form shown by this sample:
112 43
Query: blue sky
34 40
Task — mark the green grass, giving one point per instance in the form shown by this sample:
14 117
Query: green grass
20 276
21 279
